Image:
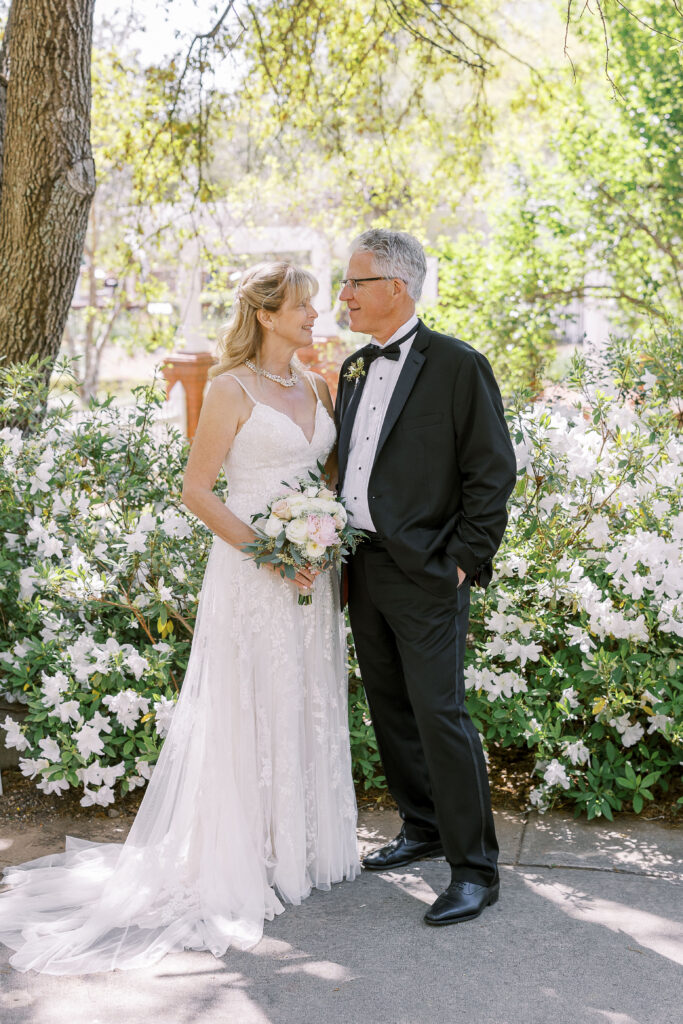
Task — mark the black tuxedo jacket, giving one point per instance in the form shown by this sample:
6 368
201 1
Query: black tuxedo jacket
444 467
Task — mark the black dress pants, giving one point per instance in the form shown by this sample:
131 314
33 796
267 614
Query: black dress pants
411 650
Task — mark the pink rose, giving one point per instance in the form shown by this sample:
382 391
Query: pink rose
321 529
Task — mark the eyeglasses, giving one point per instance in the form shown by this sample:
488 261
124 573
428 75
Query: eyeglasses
353 282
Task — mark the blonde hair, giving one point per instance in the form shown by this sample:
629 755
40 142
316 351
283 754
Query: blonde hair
265 286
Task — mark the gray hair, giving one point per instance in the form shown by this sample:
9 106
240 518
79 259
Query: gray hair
397 254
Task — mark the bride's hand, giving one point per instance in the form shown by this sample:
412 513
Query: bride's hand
303 581
305 578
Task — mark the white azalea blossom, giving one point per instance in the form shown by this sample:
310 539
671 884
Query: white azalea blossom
630 732
96 774
576 751
136 542
32 766
67 711
88 741
101 797
579 637
144 768
146 524
556 775
538 798
163 713
570 697
53 687
658 723
27 583
40 481
55 785
14 737
175 525
127 706
50 748
136 663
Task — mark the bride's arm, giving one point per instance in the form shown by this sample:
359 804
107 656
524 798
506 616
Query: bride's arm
224 410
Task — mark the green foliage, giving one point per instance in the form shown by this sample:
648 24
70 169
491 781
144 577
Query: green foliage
581 202
350 114
365 759
146 148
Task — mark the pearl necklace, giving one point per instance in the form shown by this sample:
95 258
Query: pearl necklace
285 382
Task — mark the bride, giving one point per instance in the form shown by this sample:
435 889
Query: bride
251 804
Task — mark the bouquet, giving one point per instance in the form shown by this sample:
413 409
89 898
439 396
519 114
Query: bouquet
305 526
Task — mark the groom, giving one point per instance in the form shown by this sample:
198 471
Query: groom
425 467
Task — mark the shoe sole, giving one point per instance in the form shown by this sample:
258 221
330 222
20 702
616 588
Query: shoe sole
403 863
465 917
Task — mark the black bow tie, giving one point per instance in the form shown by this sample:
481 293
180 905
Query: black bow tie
371 352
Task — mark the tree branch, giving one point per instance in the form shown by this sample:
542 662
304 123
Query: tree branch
202 38
485 38
603 291
642 226
415 32
651 28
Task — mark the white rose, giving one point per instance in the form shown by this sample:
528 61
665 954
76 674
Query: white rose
297 505
326 505
297 531
281 509
311 492
314 550
326 493
273 526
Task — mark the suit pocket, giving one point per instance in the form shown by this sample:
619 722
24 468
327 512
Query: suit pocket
430 419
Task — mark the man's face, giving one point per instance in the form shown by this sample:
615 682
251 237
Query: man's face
371 303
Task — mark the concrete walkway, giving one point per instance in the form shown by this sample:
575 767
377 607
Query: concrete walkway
587 931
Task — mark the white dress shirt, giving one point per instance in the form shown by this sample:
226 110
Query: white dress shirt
379 386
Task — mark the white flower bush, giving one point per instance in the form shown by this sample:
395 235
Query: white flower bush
575 648
100 568
577 643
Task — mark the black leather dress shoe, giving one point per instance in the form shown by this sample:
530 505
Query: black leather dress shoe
462 901
401 851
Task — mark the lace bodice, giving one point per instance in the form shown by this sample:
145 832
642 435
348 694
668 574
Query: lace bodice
269 449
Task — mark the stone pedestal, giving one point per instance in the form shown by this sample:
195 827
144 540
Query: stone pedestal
191 369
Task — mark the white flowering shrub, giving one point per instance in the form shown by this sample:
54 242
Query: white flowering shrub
100 568
576 646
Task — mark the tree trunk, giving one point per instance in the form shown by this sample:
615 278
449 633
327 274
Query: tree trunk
48 174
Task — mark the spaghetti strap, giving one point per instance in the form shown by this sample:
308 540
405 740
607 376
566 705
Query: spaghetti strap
310 377
244 387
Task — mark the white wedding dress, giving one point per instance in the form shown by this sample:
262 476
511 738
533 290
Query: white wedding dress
251 804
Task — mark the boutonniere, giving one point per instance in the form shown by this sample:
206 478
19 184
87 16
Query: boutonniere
355 371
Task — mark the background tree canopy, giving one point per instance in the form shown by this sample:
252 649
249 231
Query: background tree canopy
539 180
593 187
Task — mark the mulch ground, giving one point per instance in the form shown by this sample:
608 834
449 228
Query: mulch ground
510 775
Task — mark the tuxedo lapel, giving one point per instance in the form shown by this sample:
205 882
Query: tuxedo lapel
404 385
346 420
